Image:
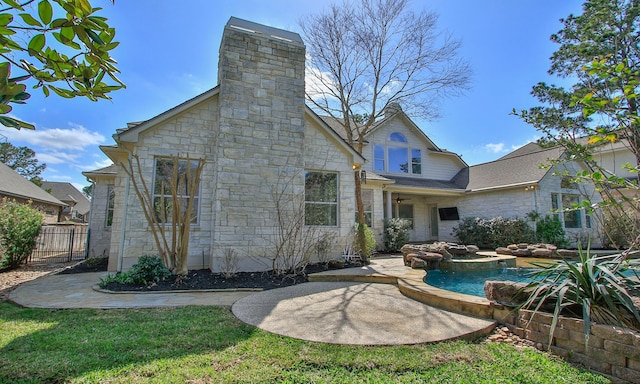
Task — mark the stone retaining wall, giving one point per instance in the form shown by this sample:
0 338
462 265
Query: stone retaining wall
613 351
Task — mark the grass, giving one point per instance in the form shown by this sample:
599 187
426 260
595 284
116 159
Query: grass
209 345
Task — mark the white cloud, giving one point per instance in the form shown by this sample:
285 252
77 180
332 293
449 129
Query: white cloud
96 165
56 157
495 148
77 137
60 178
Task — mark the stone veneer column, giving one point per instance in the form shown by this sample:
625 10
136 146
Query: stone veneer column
261 77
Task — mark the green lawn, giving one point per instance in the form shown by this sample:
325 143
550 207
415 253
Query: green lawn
207 344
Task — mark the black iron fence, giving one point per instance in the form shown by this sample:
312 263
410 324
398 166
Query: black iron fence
60 243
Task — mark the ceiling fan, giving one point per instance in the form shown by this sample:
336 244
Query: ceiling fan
399 200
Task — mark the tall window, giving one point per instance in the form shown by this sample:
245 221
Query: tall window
367 202
162 196
321 198
405 211
572 219
396 156
111 196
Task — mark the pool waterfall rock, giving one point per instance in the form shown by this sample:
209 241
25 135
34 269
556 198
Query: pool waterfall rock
428 256
507 293
531 250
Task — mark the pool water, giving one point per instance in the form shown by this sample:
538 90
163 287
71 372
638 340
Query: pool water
472 282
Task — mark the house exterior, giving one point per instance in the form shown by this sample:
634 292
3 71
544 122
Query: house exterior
77 204
14 186
268 156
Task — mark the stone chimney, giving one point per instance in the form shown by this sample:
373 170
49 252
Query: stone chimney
392 108
261 120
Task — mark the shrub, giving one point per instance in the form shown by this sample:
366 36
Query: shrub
549 230
148 269
493 233
620 230
396 234
19 227
364 242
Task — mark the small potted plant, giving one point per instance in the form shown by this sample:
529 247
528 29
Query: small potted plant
336 263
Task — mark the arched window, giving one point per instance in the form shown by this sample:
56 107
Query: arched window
397 137
396 156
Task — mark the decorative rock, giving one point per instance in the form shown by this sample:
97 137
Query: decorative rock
507 293
418 263
522 245
428 256
504 251
512 247
521 252
457 249
541 252
472 249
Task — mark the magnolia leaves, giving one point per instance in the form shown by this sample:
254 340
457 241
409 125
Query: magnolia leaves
67 55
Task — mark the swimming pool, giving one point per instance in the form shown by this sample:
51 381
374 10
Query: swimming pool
472 282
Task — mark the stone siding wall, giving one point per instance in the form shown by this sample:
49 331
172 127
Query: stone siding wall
193 133
611 350
100 234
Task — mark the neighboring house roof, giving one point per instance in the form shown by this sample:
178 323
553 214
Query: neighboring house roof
69 194
520 167
13 184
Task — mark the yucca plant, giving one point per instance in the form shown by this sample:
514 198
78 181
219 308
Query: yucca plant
596 286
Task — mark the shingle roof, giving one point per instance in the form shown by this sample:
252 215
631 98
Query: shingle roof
66 192
423 183
516 168
14 185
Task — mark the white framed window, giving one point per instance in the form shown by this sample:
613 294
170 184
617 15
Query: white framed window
111 196
405 211
397 156
321 198
162 195
367 202
572 218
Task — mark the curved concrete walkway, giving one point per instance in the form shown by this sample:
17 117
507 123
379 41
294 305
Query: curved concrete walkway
347 306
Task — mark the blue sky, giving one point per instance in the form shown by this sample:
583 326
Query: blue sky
168 54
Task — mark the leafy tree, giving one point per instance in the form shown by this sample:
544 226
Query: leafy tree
372 54
87 190
23 161
598 51
68 55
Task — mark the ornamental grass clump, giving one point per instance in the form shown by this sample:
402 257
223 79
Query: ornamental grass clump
594 289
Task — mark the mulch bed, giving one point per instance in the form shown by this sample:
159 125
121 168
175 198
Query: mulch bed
202 279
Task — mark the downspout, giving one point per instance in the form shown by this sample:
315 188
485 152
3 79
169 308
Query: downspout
123 225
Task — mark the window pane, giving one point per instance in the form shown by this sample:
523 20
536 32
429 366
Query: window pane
110 205
320 214
416 162
397 137
405 211
399 160
321 187
163 179
571 218
321 196
378 157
